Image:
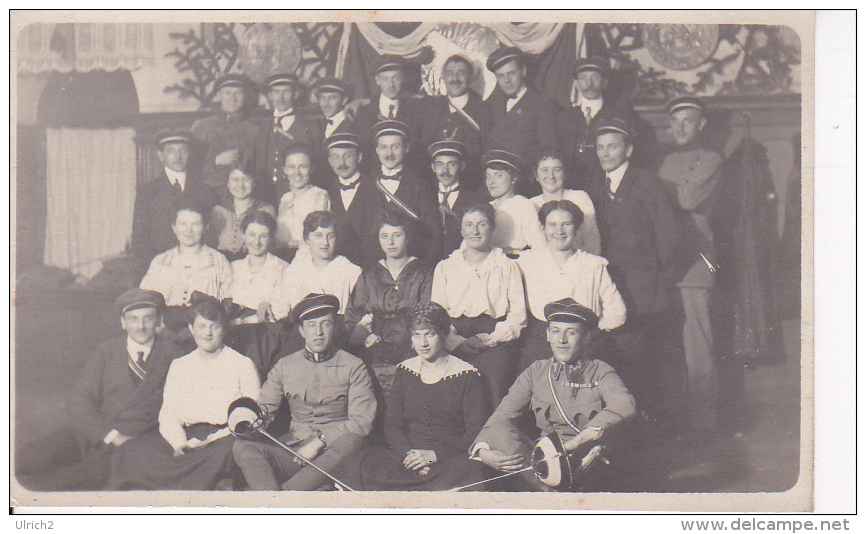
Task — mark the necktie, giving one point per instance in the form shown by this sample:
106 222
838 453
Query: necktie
391 111
587 114
610 192
177 187
140 359
137 366
445 196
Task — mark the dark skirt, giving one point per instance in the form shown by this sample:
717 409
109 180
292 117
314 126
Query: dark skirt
381 470
497 365
148 463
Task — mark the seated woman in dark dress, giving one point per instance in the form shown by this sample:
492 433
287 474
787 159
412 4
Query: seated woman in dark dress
382 298
436 406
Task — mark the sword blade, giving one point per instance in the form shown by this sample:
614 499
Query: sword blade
308 462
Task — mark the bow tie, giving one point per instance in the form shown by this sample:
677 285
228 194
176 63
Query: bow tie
329 122
394 177
346 187
287 113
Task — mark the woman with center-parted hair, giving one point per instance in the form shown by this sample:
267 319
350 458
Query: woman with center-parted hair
225 228
192 448
482 290
435 410
299 201
189 267
383 297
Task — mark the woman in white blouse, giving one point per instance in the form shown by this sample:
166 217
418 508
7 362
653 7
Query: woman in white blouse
550 173
256 277
517 226
482 291
558 271
302 199
189 267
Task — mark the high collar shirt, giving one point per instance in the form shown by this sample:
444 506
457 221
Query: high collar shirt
584 104
199 389
615 176
284 118
452 197
493 287
348 194
458 102
336 120
583 277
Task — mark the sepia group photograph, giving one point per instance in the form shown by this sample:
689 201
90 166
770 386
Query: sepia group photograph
460 260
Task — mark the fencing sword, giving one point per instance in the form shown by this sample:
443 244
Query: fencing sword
246 418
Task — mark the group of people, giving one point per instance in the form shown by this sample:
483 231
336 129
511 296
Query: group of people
415 279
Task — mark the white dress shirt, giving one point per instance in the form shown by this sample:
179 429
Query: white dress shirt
385 104
452 198
285 118
349 194
615 176
294 208
458 102
583 277
336 121
199 388
391 185
512 101
593 106
176 177
494 287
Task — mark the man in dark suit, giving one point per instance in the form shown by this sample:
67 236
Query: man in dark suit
524 121
116 398
454 196
332 95
227 134
640 237
344 157
151 219
393 185
389 104
575 124
275 135
461 115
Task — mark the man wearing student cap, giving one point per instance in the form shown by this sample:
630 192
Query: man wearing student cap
524 120
227 135
460 115
641 239
330 396
692 171
576 123
454 195
395 185
390 103
151 218
116 398
332 95
589 392
344 158
276 134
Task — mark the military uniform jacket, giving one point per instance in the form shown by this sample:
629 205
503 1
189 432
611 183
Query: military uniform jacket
218 133
329 398
107 395
417 196
592 395
439 123
640 237
528 128
271 141
692 174
151 219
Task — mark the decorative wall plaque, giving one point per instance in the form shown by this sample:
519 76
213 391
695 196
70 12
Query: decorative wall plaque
681 46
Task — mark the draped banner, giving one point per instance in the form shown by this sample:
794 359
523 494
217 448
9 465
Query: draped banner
552 45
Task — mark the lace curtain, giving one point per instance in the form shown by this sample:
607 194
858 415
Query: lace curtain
84 47
80 232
